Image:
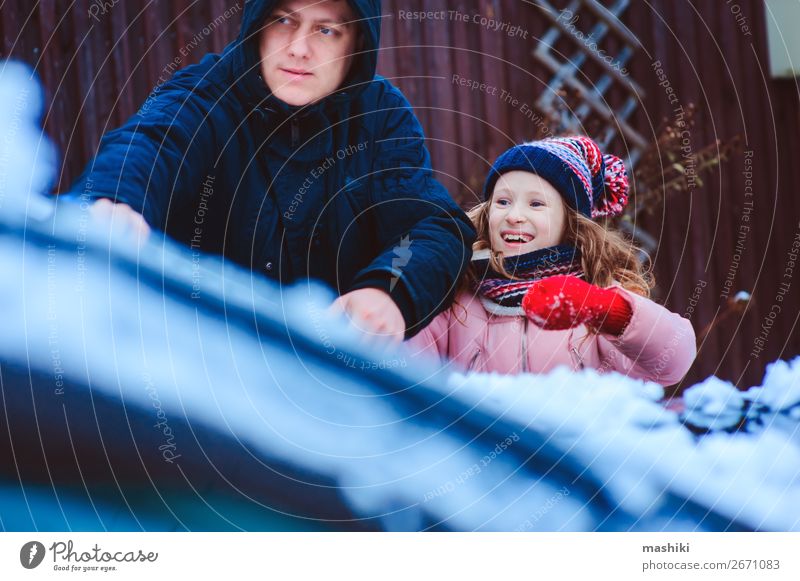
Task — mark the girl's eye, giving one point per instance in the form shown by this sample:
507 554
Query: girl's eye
502 202
537 204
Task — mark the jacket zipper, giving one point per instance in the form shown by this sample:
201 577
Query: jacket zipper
525 367
576 356
295 131
473 360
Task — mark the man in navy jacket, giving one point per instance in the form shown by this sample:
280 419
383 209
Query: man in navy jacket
287 154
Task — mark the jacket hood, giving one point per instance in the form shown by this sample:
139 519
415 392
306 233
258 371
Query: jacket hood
247 58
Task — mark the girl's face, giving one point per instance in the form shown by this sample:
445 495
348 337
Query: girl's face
526 213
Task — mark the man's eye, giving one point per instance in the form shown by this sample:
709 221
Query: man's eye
327 31
282 20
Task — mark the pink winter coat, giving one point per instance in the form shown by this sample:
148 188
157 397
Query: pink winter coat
657 345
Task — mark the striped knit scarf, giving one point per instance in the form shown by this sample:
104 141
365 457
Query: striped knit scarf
502 296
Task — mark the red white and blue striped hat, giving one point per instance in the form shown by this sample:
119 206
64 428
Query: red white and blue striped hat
594 184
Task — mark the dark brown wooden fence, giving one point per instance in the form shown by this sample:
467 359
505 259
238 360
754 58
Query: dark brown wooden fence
98 61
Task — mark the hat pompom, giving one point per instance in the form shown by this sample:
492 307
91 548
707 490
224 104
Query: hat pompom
614 198
590 153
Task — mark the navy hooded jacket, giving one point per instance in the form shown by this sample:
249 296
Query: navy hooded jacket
340 191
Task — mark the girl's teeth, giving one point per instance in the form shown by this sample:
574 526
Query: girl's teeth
516 239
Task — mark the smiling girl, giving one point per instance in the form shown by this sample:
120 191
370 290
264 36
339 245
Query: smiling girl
548 285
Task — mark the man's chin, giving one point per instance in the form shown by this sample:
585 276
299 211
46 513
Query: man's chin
295 99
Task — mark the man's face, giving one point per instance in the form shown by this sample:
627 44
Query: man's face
307 49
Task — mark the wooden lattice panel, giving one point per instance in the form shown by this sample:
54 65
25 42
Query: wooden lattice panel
596 46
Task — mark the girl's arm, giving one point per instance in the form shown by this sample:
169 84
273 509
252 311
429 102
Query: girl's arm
657 344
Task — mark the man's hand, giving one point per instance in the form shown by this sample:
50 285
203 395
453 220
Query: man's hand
374 312
121 219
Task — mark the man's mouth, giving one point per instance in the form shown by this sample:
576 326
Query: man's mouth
516 237
295 72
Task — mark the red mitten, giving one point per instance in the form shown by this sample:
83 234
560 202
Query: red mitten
563 302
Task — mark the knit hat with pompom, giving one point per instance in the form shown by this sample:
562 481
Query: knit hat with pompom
596 185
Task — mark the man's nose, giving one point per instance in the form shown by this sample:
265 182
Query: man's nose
299 44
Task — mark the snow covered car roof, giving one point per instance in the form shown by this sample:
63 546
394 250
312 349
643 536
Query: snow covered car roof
126 369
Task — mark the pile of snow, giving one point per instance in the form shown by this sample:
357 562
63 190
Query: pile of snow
780 392
27 158
714 404
743 462
718 405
